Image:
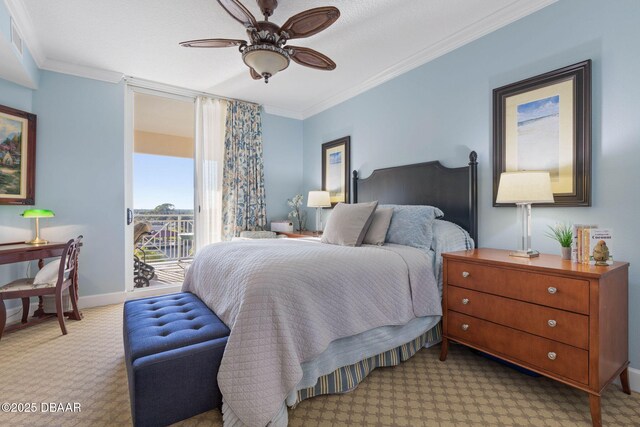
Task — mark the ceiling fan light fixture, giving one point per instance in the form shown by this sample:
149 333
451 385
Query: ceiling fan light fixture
267 60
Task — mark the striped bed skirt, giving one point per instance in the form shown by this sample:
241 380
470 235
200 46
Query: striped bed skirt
347 378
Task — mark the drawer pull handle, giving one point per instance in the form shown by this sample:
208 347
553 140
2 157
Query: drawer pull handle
552 323
465 274
551 355
465 301
465 326
552 290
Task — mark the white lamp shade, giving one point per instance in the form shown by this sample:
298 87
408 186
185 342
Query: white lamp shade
525 187
319 199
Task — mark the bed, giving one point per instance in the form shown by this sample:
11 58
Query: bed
309 318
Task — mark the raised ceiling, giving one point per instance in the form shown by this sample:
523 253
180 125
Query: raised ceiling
373 41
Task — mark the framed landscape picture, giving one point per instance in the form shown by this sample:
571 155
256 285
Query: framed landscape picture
17 157
544 123
335 169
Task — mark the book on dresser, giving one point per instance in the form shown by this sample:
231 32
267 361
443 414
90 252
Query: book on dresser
567 321
580 250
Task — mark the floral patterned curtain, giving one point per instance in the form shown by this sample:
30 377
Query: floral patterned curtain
243 196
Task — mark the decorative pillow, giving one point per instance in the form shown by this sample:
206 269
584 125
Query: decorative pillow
377 232
48 274
348 224
411 225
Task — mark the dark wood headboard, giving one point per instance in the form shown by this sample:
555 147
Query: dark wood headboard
453 190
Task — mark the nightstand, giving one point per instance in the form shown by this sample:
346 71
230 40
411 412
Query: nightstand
564 320
299 234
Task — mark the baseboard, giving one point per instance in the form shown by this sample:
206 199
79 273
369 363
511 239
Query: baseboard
99 300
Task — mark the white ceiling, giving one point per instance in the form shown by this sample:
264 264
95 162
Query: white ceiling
373 41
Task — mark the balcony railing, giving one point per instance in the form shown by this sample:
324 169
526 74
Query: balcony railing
171 237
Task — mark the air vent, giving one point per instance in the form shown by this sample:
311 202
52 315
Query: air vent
16 39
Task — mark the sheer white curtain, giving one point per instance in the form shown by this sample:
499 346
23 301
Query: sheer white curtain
209 159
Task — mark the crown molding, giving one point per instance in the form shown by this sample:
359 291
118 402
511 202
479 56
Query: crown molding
82 71
20 15
496 20
283 112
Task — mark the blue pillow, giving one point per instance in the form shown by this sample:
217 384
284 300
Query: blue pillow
412 225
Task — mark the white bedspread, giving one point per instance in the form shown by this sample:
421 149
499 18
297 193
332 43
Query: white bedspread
285 300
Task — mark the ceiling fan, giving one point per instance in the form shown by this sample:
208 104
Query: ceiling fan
268 52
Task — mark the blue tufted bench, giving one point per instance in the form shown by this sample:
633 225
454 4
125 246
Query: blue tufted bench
173 346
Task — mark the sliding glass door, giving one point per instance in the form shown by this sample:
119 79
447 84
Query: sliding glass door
161 189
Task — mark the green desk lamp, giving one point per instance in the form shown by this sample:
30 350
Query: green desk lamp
37 214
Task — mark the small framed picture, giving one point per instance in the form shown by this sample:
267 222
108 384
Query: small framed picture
544 124
17 157
335 169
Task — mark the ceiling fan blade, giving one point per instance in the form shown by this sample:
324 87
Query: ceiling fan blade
213 43
309 22
239 12
311 58
254 75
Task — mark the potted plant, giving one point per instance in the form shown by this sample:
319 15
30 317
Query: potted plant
297 213
563 234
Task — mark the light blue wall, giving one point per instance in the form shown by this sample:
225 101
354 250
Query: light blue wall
12 226
442 110
79 174
80 164
282 140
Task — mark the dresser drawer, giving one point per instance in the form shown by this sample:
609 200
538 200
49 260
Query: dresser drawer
563 326
551 356
545 289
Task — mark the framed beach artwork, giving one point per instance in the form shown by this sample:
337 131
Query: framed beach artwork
335 169
17 157
544 123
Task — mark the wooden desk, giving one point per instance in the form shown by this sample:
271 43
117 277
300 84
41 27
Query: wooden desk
11 253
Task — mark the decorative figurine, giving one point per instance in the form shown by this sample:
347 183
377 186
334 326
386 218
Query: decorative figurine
601 253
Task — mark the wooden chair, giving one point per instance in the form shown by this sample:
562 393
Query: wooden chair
25 288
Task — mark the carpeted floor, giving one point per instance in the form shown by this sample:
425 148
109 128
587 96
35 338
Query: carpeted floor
38 365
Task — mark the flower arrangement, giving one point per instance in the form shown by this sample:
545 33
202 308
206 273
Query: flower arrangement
562 233
297 214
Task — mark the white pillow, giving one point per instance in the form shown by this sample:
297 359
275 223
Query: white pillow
379 225
48 274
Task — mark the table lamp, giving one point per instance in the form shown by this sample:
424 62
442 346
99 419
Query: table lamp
37 214
523 189
319 200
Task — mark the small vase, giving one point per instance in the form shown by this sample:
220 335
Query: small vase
566 253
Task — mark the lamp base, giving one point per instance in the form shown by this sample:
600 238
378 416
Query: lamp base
37 241
525 254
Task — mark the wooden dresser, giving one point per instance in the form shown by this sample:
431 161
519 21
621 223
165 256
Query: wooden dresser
564 320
